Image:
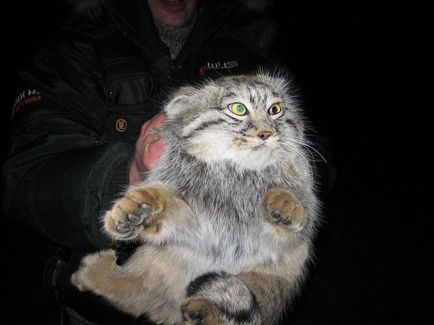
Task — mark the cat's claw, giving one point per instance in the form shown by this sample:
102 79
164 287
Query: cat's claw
124 228
279 218
140 218
134 220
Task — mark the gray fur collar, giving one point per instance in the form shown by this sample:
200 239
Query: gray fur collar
94 6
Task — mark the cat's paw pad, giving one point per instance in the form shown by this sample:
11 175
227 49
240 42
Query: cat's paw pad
197 311
283 208
137 210
133 220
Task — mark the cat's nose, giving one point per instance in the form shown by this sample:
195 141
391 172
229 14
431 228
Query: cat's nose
264 135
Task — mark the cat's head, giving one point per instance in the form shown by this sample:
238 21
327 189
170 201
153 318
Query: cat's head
250 120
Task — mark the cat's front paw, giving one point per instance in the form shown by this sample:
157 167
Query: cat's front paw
197 311
138 211
283 208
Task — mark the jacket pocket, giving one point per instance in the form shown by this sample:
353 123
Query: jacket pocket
130 101
124 121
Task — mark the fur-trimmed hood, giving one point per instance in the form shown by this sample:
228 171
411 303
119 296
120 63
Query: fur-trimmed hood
94 6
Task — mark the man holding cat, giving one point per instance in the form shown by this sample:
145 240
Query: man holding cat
87 106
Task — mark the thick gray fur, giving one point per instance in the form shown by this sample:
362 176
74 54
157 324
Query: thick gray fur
223 246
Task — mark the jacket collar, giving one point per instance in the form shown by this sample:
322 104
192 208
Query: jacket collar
205 27
133 18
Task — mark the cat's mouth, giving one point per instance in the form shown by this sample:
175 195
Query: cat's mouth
256 142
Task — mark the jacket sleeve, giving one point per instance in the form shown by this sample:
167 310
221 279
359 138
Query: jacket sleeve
59 177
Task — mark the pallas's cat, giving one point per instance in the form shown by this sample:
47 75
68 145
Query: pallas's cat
225 220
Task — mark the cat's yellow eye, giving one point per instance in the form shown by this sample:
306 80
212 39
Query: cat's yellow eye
274 109
238 109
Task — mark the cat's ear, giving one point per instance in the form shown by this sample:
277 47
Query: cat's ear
180 101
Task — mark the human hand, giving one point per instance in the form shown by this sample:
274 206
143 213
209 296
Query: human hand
149 149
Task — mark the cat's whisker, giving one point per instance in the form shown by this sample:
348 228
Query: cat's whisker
314 153
310 148
294 146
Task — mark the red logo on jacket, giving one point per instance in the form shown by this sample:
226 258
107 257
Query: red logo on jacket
216 66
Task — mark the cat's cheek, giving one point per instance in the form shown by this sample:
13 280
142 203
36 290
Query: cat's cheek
210 150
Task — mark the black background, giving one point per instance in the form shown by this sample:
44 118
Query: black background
365 73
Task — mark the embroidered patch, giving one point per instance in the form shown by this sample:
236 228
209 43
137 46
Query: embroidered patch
121 125
25 97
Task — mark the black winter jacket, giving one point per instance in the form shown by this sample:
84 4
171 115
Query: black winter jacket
81 102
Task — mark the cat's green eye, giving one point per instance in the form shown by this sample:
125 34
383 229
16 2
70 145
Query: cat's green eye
238 109
274 109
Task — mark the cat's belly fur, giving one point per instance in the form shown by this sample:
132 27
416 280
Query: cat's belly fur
215 244
168 270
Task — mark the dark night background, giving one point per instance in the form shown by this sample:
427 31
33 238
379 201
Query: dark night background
364 70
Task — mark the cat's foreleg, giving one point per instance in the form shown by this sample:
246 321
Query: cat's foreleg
150 213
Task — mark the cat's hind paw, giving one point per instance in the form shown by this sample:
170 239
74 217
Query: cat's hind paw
197 311
93 270
283 208
219 299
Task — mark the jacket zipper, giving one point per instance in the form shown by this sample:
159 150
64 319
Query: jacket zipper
108 101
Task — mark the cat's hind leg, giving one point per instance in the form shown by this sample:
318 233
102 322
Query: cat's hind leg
219 299
200 311
250 298
132 291
99 272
